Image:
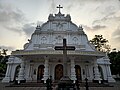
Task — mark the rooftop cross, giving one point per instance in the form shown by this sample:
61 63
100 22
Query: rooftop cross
59 8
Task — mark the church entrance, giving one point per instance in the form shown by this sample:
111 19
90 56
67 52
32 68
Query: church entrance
78 72
58 71
40 72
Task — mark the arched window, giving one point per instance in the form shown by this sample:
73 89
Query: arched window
75 40
43 40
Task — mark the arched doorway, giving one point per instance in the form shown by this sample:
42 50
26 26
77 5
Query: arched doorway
78 72
16 72
40 72
58 71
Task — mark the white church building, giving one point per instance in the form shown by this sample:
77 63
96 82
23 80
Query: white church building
39 60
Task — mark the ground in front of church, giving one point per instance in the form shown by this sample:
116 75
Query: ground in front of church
6 86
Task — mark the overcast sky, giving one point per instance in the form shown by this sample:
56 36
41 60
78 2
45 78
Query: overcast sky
18 19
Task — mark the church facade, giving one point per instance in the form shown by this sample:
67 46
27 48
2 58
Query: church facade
39 60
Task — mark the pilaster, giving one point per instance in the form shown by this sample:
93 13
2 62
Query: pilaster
108 71
46 70
96 72
109 76
30 73
73 74
9 68
21 72
7 75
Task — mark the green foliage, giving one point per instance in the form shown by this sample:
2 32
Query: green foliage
3 60
2 68
100 43
115 62
3 52
3 65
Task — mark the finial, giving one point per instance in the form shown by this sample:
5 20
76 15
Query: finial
59 8
38 27
80 26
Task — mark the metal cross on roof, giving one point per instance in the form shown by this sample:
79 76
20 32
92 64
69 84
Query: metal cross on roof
59 8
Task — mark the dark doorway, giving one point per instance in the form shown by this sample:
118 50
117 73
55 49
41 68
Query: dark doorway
58 72
40 72
78 72
16 72
101 72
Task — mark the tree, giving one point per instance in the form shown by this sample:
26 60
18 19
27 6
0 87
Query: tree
3 52
3 60
3 65
100 43
115 62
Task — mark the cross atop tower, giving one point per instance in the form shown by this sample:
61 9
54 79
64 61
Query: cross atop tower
59 8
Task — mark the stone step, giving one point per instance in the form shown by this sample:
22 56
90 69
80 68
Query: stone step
28 84
55 83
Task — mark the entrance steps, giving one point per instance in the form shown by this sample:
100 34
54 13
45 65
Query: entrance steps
90 84
28 84
41 86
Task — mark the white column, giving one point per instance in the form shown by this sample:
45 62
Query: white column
96 72
108 71
21 72
73 73
7 75
9 69
46 70
30 73
69 40
109 76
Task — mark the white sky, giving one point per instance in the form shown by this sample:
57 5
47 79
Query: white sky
18 19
